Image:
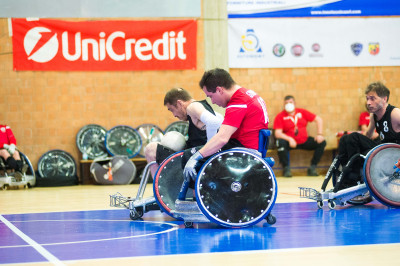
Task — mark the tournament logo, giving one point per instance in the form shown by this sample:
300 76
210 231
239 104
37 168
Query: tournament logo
297 49
40 44
250 42
356 48
278 50
373 48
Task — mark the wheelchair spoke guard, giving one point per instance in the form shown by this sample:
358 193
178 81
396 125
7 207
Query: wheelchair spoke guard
56 163
380 176
168 181
90 140
236 188
123 140
149 133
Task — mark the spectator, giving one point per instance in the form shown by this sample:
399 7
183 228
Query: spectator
9 152
364 123
290 128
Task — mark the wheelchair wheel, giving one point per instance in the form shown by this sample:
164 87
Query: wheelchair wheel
379 175
123 140
30 172
168 181
90 140
148 133
56 163
236 188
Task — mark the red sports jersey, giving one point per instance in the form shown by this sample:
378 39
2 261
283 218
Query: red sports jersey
364 119
246 111
295 125
6 136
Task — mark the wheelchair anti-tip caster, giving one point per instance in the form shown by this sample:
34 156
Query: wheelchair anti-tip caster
331 204
271 219
188 224
136 213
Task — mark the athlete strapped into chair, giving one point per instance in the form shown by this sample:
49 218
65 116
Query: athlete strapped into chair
362 167
234 188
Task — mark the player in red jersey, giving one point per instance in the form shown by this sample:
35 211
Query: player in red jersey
246 114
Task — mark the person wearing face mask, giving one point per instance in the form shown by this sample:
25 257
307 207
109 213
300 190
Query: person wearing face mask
290 128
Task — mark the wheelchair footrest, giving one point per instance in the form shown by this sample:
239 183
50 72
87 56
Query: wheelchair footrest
142 202
119 201
189 211
310 193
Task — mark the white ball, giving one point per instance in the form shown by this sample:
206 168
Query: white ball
174 141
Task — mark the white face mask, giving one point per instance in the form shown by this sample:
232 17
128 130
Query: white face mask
289 107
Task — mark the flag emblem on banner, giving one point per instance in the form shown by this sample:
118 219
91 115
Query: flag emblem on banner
297 49
356 48
250 42
373 48
278 50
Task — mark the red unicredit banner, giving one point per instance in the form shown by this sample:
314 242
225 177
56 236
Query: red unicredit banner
104 45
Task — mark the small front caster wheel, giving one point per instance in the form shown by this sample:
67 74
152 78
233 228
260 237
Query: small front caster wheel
320 204
136 214
332 204
188 224
270 219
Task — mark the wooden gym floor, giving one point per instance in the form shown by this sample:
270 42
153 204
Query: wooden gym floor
75 226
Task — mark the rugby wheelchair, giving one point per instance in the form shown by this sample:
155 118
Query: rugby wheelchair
9 178
234 188
364 177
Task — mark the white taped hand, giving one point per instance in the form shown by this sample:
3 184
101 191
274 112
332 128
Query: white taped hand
10 148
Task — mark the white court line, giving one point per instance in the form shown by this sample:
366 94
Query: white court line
42 251
174 227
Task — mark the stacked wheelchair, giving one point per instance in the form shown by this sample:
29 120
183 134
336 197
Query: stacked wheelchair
9 179
234 188
375 175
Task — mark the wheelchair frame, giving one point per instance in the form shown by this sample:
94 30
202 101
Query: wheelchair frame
343 197
8 180
188 211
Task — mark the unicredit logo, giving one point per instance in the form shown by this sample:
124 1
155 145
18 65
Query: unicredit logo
41 45
121 45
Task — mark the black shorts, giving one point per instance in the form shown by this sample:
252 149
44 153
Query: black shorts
162 153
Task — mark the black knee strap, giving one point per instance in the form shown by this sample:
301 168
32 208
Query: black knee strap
12 163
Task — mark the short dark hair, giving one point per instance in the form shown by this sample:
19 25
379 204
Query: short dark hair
379 88
216 77
288 97
175 94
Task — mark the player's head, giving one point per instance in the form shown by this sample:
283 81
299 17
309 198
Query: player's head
176 100
216 77
379 89
377 96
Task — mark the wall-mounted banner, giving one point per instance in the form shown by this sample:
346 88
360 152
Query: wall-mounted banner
104 45
311 8
318 42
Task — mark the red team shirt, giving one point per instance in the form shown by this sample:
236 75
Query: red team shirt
246 111
288 124
364 119
6 136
